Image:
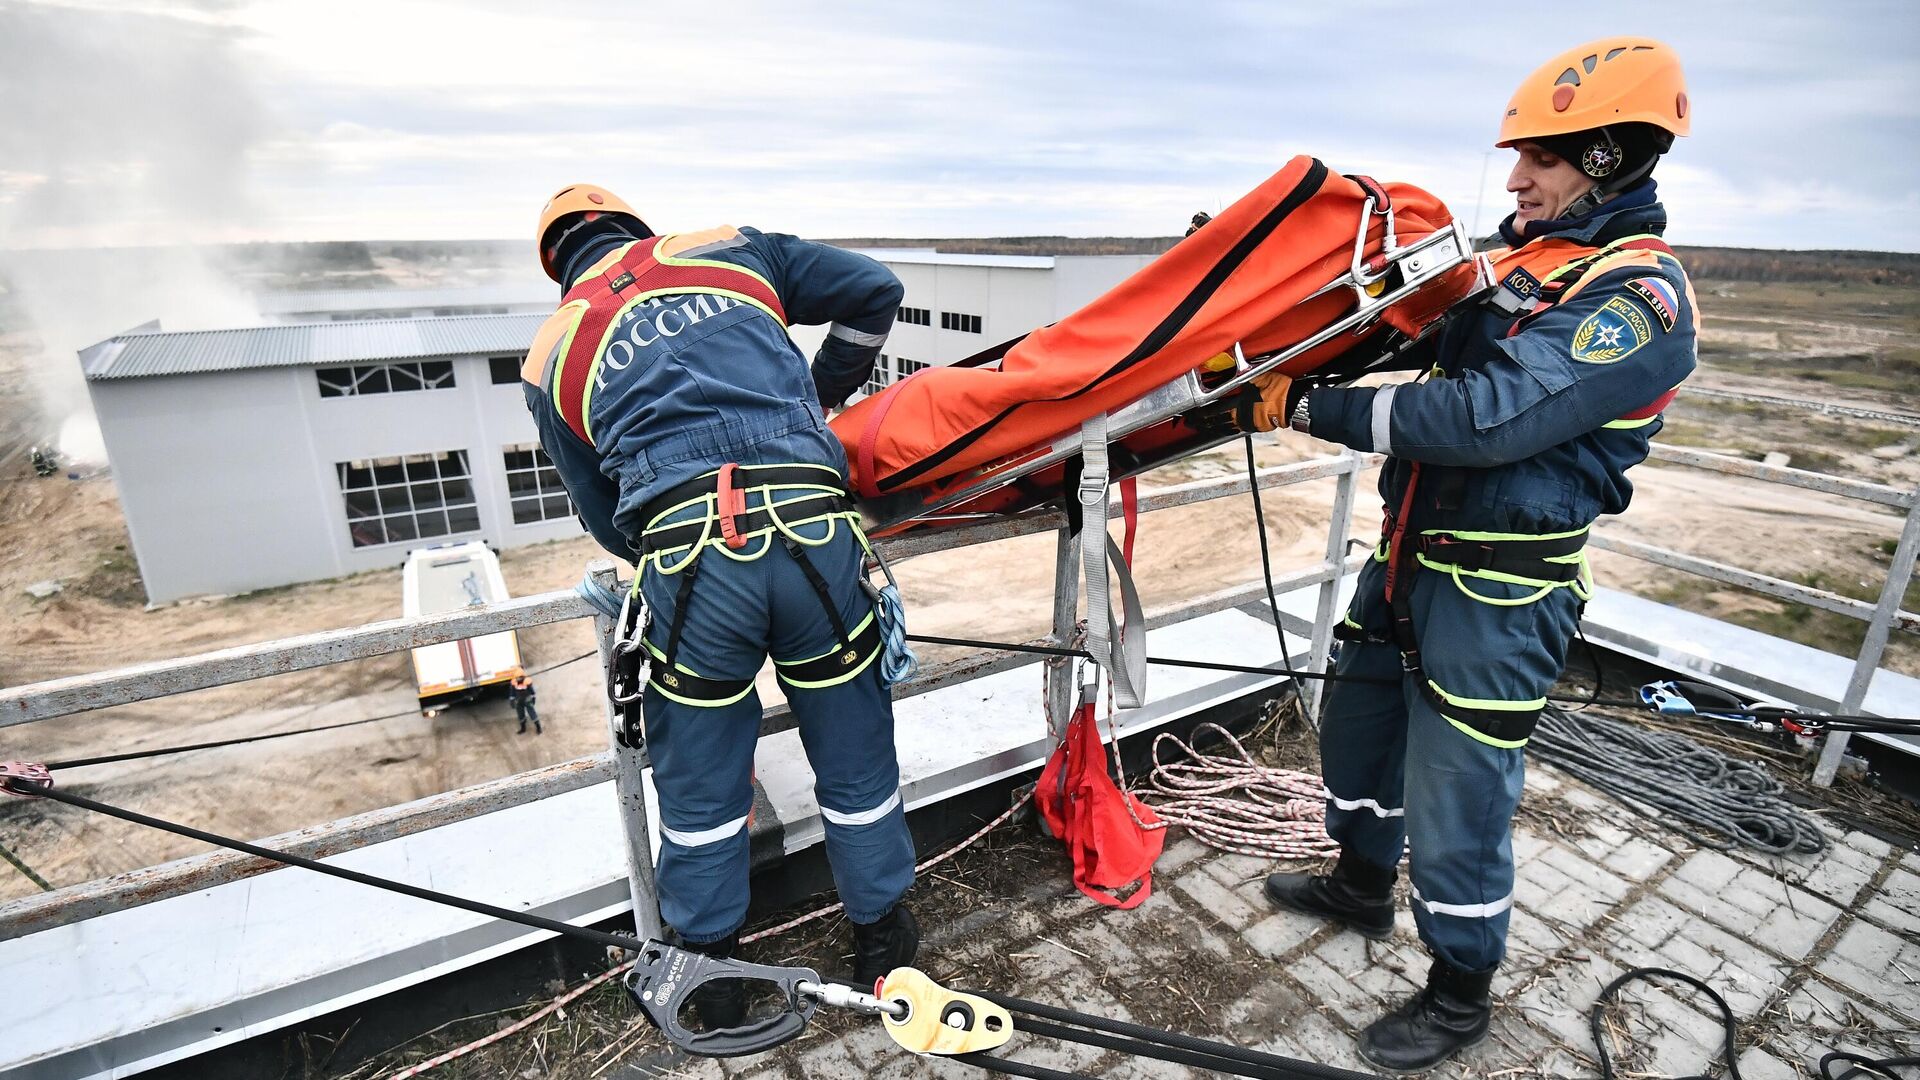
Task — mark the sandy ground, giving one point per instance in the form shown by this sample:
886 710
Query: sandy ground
72 531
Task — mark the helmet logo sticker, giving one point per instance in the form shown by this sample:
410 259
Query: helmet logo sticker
1600 159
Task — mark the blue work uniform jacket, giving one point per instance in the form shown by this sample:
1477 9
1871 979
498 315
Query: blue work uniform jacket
685 384
1519 429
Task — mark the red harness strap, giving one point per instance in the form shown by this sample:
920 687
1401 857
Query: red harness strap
731 505
635 273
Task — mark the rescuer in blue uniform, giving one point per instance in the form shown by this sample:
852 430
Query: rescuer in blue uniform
690 432
1537 403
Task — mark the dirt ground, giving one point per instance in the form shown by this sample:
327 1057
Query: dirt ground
71 531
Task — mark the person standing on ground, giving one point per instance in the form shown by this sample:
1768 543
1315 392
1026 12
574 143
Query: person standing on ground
520 692
690 432
1540 399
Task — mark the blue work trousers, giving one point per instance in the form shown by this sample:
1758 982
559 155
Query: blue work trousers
1402 777
740 611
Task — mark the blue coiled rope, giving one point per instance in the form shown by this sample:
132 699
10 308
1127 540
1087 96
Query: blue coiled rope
897 662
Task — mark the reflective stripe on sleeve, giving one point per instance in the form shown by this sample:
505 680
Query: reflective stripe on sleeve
1363 804
1383 419
1465 911
857 337
863 817
705 836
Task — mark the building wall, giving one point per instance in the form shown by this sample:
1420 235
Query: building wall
228 480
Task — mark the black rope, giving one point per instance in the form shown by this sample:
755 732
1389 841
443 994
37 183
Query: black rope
990 1063
1841 722
1238 1054
1729 1032
162 751
1696 789
1215 1062
1266 560
538 922
1864 1068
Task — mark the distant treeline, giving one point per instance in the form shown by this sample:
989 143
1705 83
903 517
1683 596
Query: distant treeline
1759 264
343 258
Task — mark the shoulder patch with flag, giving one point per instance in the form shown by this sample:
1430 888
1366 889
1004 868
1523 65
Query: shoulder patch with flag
1611 333
1659 296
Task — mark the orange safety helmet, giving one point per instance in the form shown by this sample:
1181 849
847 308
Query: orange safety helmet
1611 81
575 199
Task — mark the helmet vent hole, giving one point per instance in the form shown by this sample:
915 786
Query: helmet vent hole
1611 53
1591 62
1569 77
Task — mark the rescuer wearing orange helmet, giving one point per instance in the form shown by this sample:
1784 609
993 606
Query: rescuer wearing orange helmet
1541 398
689 430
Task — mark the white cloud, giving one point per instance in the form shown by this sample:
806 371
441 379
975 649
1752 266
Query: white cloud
425 118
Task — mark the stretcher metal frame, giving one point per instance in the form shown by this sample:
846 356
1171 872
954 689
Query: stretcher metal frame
1378 282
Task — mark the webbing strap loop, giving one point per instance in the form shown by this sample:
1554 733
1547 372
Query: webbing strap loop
1117 643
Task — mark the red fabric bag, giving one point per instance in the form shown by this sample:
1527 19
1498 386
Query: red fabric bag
1111 851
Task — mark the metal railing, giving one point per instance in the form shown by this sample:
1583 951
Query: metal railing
142 682
1881 617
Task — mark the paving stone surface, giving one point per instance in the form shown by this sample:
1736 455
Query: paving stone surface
1812 954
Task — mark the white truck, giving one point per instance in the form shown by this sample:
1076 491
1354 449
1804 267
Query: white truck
449 577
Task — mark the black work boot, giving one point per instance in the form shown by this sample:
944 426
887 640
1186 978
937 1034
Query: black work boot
879 947
1357 893
1451 1014
721 1003
536 728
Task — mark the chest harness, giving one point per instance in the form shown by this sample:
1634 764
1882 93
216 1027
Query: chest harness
1542 562
710 513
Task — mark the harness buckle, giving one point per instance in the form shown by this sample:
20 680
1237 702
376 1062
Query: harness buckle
1465 555
731 503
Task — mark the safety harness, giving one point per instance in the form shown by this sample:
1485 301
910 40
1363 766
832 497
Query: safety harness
676 541
641 271
1543 562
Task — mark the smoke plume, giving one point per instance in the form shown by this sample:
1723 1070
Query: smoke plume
125 149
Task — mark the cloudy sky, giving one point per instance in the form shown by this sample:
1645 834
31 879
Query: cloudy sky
156 122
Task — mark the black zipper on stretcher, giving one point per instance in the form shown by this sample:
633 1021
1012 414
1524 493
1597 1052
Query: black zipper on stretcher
1156 340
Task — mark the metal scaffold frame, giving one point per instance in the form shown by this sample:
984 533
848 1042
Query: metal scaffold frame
623 765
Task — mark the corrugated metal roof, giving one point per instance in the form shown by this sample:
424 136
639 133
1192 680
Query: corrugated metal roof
139 355
304 301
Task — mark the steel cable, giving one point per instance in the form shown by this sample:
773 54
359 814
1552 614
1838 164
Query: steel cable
1719 801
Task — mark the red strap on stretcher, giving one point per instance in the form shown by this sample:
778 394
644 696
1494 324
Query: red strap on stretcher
1129 515
731 505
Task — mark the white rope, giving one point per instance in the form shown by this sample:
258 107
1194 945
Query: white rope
1232 802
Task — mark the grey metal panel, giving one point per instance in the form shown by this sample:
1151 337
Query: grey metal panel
148 354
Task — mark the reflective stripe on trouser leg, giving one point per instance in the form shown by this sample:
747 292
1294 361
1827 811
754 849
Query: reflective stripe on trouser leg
703 754
1363 747
846 727
1461 794
1462 788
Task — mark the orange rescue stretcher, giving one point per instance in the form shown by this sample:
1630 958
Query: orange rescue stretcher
1314 275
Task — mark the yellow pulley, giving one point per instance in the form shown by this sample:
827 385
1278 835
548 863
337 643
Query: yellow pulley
941 1021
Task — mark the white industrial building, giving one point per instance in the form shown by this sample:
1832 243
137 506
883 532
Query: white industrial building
261 456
